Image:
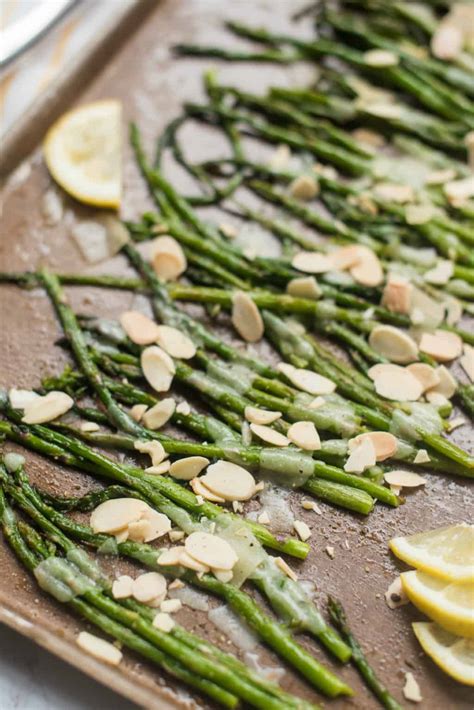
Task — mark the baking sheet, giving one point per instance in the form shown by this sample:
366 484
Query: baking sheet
137 68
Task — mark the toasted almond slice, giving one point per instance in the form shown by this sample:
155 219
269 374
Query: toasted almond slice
397 294
440 274
307 380
188 468
395 595
380 58
175 535
394 192
47 408
467 361
211 550
446 384
228 230
442 345
312 262
345 257
304 187
311 505
116 514
367 270
89 427
263 518
139 328
159 414
384 443
261 416
99 648
159 470
446 43
148 586
122 587
304 287
437 399
137 411
168 258
454 309
171 556
186 560
439 177
171 606
316 403
280 158
158 368
404 479
305 436
421 456
137 530
183 408
158 525
285 568
19 399
175 343
361 457
329 550
163 622
383 368
401 386
246 317
153 448
223 575
302 530
230 481
393 343
200 489
427 375
121 535
384 110
269 435
459 191
411 689
419 214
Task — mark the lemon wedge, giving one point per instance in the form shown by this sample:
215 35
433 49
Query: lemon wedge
453 654
450 605
83 151
446 553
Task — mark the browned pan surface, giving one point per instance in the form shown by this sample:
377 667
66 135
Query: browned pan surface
152 85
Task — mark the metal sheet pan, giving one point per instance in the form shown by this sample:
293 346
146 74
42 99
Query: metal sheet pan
133 64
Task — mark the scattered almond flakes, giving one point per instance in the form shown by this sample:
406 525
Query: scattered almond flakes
246 317
159 414
442 345
385 444
361 458
158 368
89 426
425 374
176 584
122 587
305 436
394 192
47 408
304 187
459 191
307 380
467 361
421 456
154 448
393 343
312 262
311 505
380 58
204 493
269 435
159 470
285 568
228 230
263 518
137 411
19 398
397 294
237 506
395 595
261 416
115 514
175 343
281 157
183 408
419 214
302 530
163 622
176 535
171 606
304 287
440 274
210 550
438 177
99 648
367 270
189 467
404 479
411 689
230 481
139 328
329 551
168 258
316 403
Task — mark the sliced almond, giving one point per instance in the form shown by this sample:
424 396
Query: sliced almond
397 294
269 435
383 109
428 376
159 470
304 187
159 414
163 622
153 448
394 192
100 649
168 258
137 531
467 361
316 403
158 368
393 343
223 575
367 270
454 309
383 368
380 58
122 587
228 230
446 43
281 157
419 214
183 408
230 481
285 568
384 443
246 317
121 536
188 468
459 191
158 524
139 328
312 262
345 257
47 408
437 399
411 689
171 556
304 287
440 274
307 380
398 385
186 560
361 457
442 345
395 595
211 550
175 343
261 416
137 411
19 399
330 551
446 384
148 586
116 514
200 489
302 530
89 427
175 535
305 436
263 518
311 505
421 456
171 606
439 177
404 479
